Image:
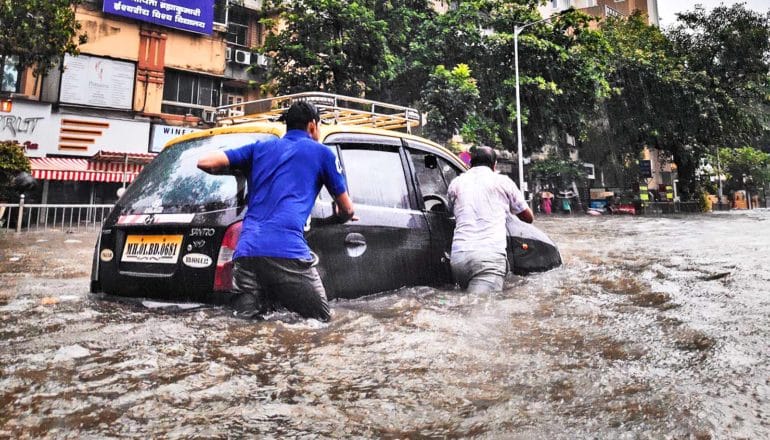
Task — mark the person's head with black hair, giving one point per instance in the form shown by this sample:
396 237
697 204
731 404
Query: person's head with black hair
483 156
302 115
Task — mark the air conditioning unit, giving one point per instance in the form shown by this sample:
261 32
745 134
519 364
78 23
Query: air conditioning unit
261 60
229 54
233 113
209 116
242 57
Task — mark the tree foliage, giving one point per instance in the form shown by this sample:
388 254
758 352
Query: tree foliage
745 167
448 98
560 70
726 54
648 94
613 90
12 162
39 32
337 46
558 172
407 73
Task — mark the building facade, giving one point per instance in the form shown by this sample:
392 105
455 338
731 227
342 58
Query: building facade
151 70
604 8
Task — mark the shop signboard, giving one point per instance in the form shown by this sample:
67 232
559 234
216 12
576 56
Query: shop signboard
30 124
645 169
188 15
161 134
97 82
41 132
85 136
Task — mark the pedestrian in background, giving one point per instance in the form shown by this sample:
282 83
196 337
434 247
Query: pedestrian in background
481 201
546 201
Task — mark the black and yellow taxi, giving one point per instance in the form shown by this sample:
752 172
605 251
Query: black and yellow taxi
173 232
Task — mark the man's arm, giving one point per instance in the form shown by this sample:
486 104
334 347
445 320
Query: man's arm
215 162
518 203
345 210
526 216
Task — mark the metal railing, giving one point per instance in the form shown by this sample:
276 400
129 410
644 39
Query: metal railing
23 217
657 208
333 108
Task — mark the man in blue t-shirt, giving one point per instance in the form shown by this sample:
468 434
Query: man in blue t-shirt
273 263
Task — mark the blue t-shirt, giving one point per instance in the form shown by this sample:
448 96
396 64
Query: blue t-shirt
285 176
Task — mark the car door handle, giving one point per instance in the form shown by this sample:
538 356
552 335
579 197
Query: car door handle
355 244
355 240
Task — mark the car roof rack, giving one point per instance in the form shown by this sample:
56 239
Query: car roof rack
334 109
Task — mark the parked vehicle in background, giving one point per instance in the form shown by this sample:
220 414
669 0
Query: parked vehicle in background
173 233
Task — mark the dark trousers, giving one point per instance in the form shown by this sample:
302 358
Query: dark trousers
261 283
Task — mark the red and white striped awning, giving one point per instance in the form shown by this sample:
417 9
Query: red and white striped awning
55 168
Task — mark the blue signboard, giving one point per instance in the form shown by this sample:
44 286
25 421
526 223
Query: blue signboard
188 15
645 169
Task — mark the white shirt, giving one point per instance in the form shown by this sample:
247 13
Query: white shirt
481 201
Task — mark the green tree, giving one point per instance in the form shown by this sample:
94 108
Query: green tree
556 171
561 71
38 32
337 46
745 167
12 162
448 98
407 72
390 50
647 103
727 57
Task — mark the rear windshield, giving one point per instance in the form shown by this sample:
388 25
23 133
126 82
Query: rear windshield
172 182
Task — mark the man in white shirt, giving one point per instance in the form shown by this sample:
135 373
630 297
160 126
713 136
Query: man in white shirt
481 200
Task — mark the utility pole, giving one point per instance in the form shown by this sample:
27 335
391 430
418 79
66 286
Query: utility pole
519 147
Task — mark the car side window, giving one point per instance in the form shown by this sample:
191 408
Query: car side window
433 173
428 173
375 175
448 170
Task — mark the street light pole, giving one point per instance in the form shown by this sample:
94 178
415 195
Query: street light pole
719 176
519 148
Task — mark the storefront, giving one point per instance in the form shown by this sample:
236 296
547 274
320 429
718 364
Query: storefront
77 157
94 180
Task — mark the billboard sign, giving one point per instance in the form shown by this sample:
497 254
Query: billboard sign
30 124
98 82
164 133
187 15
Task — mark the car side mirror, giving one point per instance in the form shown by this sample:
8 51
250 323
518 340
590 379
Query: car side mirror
431 162
436 203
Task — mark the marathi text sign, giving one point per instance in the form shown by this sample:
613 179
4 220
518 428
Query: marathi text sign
187 15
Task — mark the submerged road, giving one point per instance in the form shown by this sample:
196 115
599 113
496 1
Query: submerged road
653 328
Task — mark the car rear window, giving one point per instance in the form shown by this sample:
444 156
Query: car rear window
172 182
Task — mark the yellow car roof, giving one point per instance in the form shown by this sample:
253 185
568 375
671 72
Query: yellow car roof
279 128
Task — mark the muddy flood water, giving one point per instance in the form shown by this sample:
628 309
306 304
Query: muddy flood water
653 328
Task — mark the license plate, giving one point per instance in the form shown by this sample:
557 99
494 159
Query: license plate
152 249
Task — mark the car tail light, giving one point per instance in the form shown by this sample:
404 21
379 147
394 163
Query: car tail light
223 277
